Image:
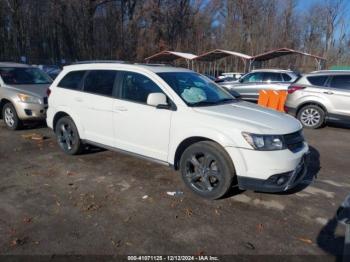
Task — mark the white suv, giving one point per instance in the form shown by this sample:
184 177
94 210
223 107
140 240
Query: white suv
179 118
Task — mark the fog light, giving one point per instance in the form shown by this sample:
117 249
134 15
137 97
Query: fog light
28 112
281 180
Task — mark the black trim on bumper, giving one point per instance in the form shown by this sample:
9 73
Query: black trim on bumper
292 179
291 111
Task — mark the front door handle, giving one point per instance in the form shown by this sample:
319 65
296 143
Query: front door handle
328 92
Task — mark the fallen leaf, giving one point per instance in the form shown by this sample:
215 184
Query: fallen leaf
259 227
188 212
19 241
249 245
70 173
27 220
305 240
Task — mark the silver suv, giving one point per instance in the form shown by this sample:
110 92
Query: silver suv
319 97
23 94
249 85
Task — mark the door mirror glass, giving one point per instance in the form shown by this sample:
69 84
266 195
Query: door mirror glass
156 99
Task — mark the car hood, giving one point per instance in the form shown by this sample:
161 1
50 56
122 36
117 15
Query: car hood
250 117
35 90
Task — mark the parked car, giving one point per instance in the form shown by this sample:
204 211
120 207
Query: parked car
230 76
22 94
249 85
52 70
178 118
320 97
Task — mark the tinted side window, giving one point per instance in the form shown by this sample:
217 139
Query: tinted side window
317 80
286 78
341 81
253 77
72 80
100 82
272 77
137 87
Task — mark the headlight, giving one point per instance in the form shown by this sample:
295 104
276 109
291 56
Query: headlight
29 99
265 142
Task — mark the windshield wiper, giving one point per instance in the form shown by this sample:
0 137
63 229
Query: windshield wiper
211 103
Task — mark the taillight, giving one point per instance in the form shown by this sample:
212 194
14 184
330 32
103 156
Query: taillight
48 92
292 89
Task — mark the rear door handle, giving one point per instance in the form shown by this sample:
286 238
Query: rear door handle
120 108
78 99
328 92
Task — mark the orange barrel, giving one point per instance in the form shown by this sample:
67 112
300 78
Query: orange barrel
263 98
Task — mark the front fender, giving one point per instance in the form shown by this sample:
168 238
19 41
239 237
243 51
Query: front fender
208 133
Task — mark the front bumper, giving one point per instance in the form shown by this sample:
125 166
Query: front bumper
31 111
260 170
279 182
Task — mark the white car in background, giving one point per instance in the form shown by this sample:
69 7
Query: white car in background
178 118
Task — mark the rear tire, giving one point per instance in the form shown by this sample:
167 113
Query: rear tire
311 116
68 136
9 114
207 169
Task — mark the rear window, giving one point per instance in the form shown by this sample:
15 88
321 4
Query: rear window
272 77
72 80
341 81
24 76
317 80
100 82
286 78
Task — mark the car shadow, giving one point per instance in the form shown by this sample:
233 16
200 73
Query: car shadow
339 125
329 242
34 125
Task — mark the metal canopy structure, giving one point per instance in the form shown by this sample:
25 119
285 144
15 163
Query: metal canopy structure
220 53
217 54
286 51
171 56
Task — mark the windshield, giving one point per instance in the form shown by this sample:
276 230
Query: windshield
24 76
195 89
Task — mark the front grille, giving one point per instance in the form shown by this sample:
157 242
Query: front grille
294 141
45 100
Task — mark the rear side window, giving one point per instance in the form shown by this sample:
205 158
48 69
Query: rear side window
272 77
317 80
72 80
286 78
252 78
100 82
341 82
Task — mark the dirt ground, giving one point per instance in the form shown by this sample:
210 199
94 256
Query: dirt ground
104 202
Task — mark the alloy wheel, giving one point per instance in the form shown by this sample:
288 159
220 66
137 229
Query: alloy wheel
202 172
9 117
310 117
66 137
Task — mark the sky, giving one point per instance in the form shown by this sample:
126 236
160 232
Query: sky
305 4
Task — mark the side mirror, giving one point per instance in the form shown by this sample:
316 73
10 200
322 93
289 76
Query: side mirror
157 100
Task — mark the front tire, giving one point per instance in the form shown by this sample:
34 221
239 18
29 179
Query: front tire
207 169
68 136
9 114
311 116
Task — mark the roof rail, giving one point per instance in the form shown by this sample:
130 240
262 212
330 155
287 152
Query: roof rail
100 61
116 62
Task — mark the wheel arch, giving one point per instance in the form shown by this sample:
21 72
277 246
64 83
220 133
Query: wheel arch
3 102
187 143
306 103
